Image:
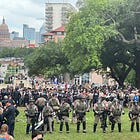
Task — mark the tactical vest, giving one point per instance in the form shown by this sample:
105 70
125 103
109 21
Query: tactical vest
100 108
135 110
117 110
81 107
31 109
64 108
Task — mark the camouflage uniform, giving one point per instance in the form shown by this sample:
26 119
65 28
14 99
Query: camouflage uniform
115 116
30 112
99 110
64 115
74 104
55 104
48 118
40 102
80 110
134 116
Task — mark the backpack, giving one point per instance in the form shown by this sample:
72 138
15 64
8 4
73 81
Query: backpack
31 110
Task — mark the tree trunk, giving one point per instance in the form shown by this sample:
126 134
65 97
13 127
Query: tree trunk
137 69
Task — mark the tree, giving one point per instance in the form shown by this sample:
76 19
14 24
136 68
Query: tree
86 33
126 20
49 59
115 56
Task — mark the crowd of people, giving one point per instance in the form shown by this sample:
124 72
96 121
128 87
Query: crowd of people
43 105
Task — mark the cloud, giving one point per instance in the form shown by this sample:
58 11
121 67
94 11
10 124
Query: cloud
19 12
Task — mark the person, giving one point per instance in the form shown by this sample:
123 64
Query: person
64 115
48 118
31 114
40 102
10 112
4 133
80 110
115 114
37 135
134 115
1 111
55 104
99 110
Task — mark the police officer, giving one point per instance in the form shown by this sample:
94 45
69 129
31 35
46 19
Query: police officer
31 112
10 112
134 115
64 114
40 102
99 110
115 114
80 110
48 118
55 104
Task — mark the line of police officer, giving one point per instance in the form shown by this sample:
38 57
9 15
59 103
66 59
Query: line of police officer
102 108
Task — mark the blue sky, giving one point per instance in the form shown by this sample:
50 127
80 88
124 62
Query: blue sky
19 12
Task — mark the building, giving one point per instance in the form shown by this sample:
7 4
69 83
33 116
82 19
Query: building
5 40
14 35
56 15
29 34
55 35
41 32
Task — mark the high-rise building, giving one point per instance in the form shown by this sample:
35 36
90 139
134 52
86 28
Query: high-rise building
56 15
42 31
28 33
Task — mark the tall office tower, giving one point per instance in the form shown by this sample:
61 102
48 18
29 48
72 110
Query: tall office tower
56 14
28 33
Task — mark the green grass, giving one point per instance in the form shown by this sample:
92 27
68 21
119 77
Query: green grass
124 135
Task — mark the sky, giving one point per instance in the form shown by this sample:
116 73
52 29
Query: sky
30 12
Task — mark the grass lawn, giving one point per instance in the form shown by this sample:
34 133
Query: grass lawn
20 127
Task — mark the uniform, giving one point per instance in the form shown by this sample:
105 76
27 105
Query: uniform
31 112
64 115
55 104
74 104
48 118
40 102
99 110
115 115
10 113
80 110
134 115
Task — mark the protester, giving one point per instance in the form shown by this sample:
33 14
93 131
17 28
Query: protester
4 133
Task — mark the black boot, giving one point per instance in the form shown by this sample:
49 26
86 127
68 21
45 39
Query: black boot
104 131
78 127
27 128
112 127
132 126
67 127
84 127
137 127
94 127
119 127
61 127
52 125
